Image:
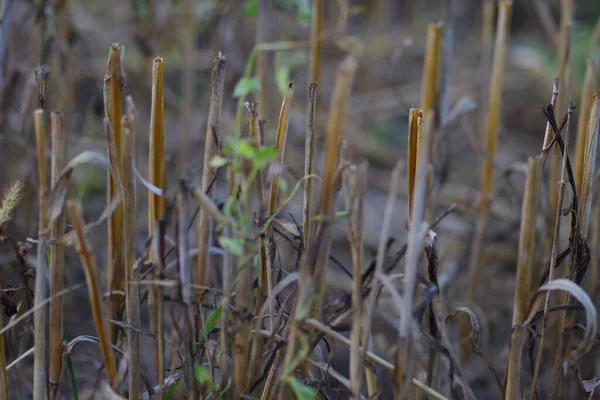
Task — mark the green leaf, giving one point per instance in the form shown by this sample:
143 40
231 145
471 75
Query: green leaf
201 374
243 149
301 391
245 86
283 186
319 217
233 246
264 156
211 322
250 8
218 161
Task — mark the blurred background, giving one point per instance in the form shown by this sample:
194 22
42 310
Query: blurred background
70 39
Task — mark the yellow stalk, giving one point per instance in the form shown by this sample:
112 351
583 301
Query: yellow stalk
40 317
524 275
413 141
430 71
132 296
491 140
156 168
89 267
315 41
114 80
214 113
57 261
587 94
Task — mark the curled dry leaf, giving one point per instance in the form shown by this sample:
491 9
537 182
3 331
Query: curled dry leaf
59 191
578 293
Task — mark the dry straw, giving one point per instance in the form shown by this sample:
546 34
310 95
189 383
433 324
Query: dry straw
491 140
524 274
40 316
212 127
57 261
156 209
114 80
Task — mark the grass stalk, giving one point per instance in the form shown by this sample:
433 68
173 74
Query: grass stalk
156 209
57 261
214 113
280 142
343 84
315 41
75 213
40 316
595 239
309 155
185 282
262 60
524 275
415 116
556 375
587 95
355 187
491 140
563 54
187 80
431 68
381 250
487 51
417 229
114 80
132 295
589 165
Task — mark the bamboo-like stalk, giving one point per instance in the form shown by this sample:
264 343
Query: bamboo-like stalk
89 267
563 54
355 185
491 140
524 275
315 41
595 239
431 68
415 244
57 261
262 62
114 80
414 125
381 249
487 35
132 294
243 336
185 282
557 376
589 166
3 375
214 113
447 60
343 84
187 80
40 317
314 261
156 167
309 155
587 94
280 142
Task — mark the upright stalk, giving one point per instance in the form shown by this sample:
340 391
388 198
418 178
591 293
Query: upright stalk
40 317
57 261
587 95
156 209
491 140
132 295
309 155
513 390
114 80
212 127
89 267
